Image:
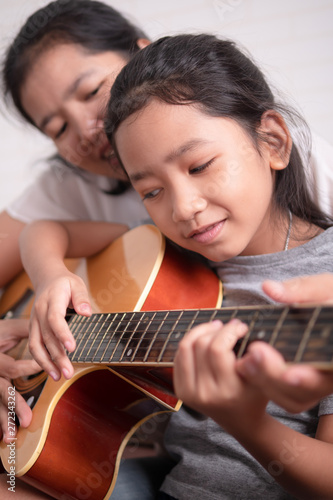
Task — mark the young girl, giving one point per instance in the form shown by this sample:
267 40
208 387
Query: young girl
198 131
204 143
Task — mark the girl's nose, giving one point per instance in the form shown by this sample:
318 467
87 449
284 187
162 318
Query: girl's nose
187 205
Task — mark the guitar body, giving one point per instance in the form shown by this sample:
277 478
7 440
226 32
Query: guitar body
80 427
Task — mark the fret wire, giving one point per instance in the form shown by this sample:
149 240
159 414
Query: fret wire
279 325
142 337
74 324
114 318
151 342
140 340
79 322
120 337
94 326
103 334
159 359
306 335
101 317
192 322
244 340
129 340
214 315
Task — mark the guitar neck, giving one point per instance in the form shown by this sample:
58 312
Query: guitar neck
300 334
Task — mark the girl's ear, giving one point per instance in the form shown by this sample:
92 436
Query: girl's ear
142 43
277 138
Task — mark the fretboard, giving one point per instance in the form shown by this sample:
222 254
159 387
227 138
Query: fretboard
300 334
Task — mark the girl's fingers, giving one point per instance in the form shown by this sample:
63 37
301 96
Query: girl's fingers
204 355
185 363
294 387
40 352
80 300
52 322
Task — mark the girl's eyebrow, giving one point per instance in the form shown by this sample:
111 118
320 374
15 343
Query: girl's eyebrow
185 148
190 145
68 93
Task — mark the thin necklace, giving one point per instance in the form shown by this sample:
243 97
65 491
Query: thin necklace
289 231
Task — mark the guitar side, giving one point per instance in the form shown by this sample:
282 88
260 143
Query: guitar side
76 430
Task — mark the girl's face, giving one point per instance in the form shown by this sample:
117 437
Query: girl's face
202 180
65 94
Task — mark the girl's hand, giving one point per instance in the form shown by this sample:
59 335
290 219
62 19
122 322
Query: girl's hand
49 331
205 377
294 387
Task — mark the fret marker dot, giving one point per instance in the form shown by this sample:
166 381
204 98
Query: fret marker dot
129 352
261 334
177 335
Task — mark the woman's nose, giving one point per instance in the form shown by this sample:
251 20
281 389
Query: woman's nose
92 131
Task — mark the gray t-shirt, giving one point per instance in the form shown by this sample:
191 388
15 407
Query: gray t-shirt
212 465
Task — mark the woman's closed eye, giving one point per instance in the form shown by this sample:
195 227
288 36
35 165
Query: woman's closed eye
94 92
61 131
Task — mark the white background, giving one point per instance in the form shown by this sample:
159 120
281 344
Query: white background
292 40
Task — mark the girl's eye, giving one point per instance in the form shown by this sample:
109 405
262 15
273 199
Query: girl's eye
201 168
151 195
61 131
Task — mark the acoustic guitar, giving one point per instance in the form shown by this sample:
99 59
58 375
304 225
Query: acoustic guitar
146 294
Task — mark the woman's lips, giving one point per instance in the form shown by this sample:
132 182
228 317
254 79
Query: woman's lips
207 234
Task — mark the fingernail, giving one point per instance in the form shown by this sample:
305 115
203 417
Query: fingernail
69 346
55 376
250 367
240 327
85 308
66 373
217 322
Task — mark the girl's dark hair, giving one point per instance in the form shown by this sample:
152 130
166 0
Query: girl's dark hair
215 75
94 25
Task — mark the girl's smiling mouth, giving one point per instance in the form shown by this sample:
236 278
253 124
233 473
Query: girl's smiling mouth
208 233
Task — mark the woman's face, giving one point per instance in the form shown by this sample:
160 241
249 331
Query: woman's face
65 94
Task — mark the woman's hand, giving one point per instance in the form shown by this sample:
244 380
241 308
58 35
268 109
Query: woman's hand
49 331
13 331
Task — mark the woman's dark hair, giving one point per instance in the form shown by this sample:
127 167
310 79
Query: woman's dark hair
215 75
94 25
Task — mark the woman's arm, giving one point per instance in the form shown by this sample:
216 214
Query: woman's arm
10 260
294 387
44 245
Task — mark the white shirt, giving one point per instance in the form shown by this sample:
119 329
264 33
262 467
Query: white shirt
63 194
